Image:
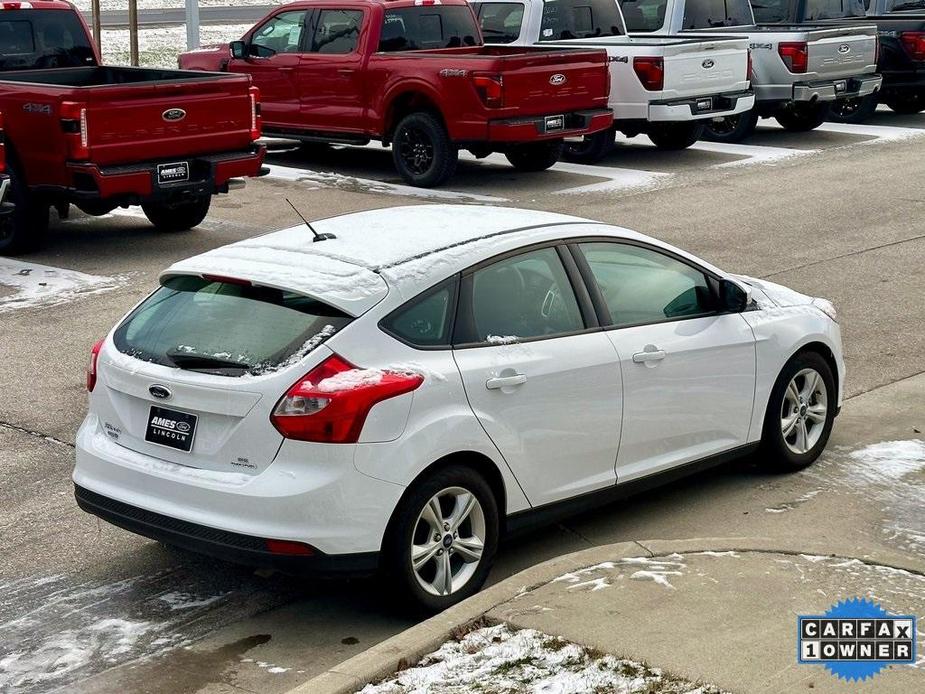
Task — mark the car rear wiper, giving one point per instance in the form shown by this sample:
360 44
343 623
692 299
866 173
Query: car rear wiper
191 360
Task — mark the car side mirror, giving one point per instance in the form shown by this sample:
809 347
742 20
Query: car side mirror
734 297
238 50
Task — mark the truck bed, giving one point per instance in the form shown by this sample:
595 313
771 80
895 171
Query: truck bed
104 76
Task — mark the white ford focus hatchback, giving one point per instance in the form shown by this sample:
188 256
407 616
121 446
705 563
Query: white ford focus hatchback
401 393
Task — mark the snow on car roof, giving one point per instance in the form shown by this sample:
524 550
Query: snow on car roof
347 271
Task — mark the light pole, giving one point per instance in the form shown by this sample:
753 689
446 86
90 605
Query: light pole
133 30
192 24
97 25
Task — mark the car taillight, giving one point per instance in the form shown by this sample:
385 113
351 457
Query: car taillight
76 130
490 89
914 43
795 55
256 119
91 365
651 72
330 404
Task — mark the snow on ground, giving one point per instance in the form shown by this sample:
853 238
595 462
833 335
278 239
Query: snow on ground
498 659
107 5
25 285
159 47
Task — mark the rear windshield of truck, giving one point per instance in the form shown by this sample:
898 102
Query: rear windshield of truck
428 27
38 39
834 9
225 327
710 14
579 19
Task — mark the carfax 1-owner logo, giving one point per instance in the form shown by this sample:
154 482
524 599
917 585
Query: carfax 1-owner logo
856 639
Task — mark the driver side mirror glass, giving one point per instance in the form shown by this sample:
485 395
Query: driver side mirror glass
238 50
734 297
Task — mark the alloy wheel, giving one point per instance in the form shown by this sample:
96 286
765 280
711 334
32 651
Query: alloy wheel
804 411
416 150
448 541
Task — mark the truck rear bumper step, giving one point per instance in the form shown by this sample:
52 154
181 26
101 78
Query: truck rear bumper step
830 90
574 124
697 108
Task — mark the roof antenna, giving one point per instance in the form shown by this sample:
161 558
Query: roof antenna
318 237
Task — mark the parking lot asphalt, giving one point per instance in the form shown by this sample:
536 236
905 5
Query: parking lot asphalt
836 213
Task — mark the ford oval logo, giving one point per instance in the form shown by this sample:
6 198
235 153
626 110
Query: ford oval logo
558 79
172 115
159 392
707 64
844 48
183 427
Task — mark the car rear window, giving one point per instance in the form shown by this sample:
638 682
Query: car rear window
428 27
500 21
834 9
226 327
579 19
34 39
711 14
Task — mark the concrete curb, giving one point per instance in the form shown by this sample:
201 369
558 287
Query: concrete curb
409 646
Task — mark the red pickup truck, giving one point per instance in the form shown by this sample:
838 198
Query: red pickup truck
99 137
414 74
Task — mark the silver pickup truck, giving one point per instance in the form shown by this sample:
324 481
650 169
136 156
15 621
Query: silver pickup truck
798 71
665 87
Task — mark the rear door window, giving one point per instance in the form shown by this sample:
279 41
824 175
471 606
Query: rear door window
709 14
428 27
501 21
337 31
34 39
771 11
834 9
225 327
579 19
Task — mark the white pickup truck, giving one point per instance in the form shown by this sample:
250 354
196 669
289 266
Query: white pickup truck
798 71
665 87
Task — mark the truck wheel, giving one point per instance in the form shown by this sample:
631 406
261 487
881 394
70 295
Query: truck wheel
675 136
731 128
422 151
177 216
907 103
801 118
855 110
591 149
537 156
26 228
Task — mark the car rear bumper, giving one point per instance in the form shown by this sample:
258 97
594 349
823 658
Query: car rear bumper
698 108
136 183
829 90
533 128
311 494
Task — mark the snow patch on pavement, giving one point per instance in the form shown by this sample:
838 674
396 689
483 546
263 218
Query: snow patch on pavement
36 285
498 659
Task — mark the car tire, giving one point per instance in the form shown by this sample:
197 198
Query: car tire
591 149
172 217
801 118
907 103
422 151
675 136
793 437
26 227
857 110
731 128
412 525
537 156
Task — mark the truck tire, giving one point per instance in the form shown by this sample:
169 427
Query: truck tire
422 151
675 136
26 228
731 128
537 156
177 216
591 149
801 118
856 110
907 103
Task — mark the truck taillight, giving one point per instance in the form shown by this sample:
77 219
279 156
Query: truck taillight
490 89
914 43
256 119
92 365
76 131
330 403
795 55
2 147
651 72
749 72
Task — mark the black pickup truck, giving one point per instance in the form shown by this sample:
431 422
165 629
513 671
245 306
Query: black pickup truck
902 46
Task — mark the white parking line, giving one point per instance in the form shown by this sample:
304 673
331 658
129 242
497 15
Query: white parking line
42 285
881 132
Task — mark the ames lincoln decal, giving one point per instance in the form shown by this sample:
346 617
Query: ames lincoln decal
856 639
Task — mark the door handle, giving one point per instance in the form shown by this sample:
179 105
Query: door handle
499 382
285 69
346 70
649 355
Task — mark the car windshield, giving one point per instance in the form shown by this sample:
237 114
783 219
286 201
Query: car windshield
834 9
225 327
428 27
36 39
579 19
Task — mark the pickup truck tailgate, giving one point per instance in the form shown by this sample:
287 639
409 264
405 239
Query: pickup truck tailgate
556 81
835 53
130 123
705 67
